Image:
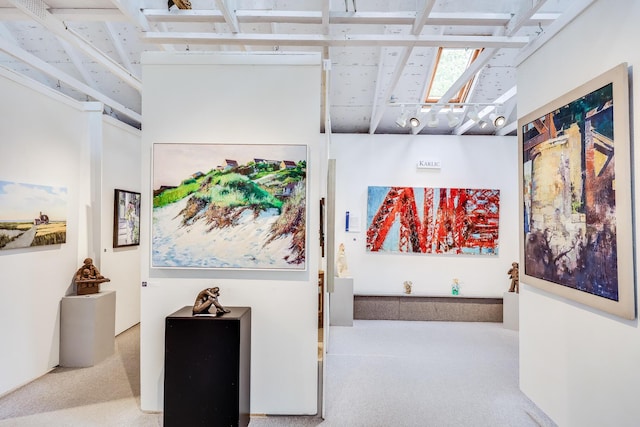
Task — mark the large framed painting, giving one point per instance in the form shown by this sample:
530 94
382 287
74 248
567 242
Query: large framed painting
576 212
32 215
433 220
126 218
229 206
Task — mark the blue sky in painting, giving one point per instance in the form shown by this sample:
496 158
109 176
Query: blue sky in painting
24 202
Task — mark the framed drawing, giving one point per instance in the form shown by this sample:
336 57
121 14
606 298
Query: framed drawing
229 206
126 218
433 220
575 198
32 215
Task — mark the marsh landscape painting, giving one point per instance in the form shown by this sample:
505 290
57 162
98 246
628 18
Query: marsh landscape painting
32 215
234 206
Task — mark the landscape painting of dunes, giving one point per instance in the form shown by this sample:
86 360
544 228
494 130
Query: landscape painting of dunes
235 206
32 215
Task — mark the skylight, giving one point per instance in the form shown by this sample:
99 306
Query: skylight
450 64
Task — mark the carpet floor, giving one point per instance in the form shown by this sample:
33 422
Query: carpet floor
379 373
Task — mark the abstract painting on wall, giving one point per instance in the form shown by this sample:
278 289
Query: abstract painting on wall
126 218
433 220
230 206
576 192
32 215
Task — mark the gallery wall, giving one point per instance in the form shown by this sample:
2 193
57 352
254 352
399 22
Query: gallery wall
50 140
235 98
578 364
121 153
391 160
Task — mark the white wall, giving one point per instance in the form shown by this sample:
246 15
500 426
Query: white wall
580 365
237 98
390 160
47 139
120 169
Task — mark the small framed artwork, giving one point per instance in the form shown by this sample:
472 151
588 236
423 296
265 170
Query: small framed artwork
126 218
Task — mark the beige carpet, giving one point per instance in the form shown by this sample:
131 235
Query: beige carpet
379 374
107 394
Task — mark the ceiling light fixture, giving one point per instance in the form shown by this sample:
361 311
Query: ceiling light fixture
452 119
483 124
401 121
498 120
432 120
414 122
473 114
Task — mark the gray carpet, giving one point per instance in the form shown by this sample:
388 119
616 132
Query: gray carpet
379 373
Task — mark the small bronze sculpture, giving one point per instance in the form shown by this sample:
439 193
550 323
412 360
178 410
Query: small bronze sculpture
88 278
407 287
514 275
206 299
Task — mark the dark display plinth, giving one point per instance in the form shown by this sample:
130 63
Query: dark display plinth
207 365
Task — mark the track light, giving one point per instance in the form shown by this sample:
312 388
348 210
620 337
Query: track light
483 124
401 121
452 119
414 122
498 120
473 114
432 119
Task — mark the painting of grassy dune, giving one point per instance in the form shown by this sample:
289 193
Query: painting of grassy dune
229 206
32 215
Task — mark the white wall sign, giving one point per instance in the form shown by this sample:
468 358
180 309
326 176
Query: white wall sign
428 164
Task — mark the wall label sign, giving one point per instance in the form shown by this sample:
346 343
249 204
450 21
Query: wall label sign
428 164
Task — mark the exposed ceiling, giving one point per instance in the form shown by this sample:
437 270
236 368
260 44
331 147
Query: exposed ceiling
379 58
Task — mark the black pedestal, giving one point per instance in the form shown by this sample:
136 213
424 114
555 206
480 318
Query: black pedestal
207 366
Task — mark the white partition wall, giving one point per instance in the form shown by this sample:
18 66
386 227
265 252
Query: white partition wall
234 98
51 140
577 364
391 160
121 169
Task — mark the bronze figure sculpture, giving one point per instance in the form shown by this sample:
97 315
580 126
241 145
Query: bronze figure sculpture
206 299
88 278
514 275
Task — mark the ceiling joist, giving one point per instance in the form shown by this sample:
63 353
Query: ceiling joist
343 18
346 40
52 71
38 11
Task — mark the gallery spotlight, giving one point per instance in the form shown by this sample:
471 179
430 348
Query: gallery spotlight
498 120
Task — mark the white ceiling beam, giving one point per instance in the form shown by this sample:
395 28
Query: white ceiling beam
573 10
37 10
357 18
77 62
523 16
325 16
132 10
513 91
421 18
228 9
76 84
380 107
345 40
117 43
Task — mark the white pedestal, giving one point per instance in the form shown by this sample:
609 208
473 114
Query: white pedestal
87 328
511 311
341 302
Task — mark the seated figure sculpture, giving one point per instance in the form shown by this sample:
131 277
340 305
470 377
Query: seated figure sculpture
206 299
88 278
